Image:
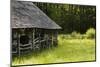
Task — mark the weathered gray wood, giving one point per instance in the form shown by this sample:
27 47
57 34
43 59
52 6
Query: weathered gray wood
33 32
24 45
25 48
49 38
14 52
29 16
19 45
52 39
33 22
14 42
39 41
30 40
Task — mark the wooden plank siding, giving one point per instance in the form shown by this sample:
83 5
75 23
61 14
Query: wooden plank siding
39 39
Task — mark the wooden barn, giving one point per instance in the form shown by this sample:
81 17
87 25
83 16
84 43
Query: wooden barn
31 28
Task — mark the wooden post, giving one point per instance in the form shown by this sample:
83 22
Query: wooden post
39 41
14 42
47 41
52 38
57 38
17 42
19 45
33 32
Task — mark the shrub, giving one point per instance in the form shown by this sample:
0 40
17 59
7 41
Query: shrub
76 35
90 33
65 36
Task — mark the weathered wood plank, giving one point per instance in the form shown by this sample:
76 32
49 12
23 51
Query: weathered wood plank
24 48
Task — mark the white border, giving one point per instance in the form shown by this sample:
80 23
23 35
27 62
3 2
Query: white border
84 2
5 32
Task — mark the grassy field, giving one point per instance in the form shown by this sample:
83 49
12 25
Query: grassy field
68 50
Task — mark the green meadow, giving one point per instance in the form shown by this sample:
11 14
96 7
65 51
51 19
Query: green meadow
76 39
68 50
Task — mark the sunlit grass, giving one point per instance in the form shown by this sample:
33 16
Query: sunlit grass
68 50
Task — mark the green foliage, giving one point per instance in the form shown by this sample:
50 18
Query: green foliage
70 17
73 35
68 50
76 35
91 33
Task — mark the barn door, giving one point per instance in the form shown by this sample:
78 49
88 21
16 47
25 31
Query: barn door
25 41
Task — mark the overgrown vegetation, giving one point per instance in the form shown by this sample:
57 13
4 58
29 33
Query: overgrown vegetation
68 50
90 34
76 41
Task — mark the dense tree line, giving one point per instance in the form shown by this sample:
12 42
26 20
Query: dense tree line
70 17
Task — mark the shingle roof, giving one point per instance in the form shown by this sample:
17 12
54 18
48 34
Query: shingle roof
24 14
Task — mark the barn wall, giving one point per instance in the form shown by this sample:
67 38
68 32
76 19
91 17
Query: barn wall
14 41
38 39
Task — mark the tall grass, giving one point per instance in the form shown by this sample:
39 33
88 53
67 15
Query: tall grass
68 50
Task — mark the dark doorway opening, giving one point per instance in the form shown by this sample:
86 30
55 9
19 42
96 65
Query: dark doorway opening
24 39
39 34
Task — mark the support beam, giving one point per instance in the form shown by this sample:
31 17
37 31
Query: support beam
19 45
33 37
